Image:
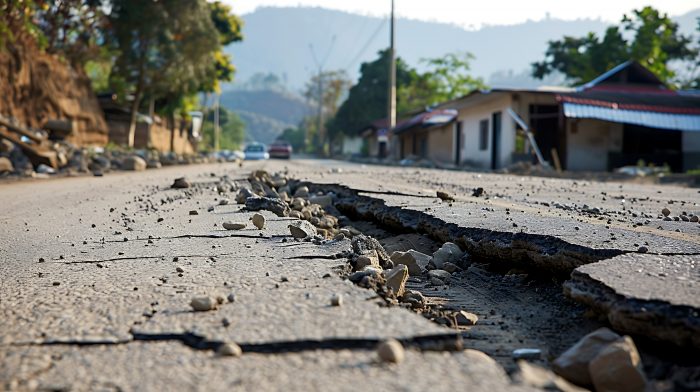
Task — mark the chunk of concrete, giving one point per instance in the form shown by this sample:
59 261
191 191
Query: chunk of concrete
396 279
449 252
409 260
531 375
618 368
573 363
367 259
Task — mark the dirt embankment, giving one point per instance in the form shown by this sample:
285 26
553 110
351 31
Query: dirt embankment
37 87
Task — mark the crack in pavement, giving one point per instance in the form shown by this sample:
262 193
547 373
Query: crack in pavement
434 342
141 257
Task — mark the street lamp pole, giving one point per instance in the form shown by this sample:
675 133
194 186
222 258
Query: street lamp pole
391 109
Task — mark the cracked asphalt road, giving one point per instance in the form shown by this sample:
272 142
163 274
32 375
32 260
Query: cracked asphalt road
88 263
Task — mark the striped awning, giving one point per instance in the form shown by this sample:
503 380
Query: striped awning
670 121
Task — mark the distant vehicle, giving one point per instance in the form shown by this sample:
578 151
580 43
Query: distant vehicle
255 152
280 149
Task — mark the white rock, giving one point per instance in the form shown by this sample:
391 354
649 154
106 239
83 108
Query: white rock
337 300
391 351
203 304
258 221
230 350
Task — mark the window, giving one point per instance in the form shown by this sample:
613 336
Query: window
484 135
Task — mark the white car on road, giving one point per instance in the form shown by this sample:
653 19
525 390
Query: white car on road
256 152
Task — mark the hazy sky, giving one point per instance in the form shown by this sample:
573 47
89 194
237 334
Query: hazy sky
474 13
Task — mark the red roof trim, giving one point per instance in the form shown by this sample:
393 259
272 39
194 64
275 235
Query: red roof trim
636 107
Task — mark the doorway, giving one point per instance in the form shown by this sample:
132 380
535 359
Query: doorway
458 143
496 122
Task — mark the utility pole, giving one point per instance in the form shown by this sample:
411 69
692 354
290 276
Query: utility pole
321 134
391 107
217 129
320 64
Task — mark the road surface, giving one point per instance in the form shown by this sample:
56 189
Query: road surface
98 274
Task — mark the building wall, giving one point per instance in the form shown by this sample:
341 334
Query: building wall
441 144
691 150
158 138
471 117
588 143
352 145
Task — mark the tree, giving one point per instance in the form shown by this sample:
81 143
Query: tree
655 42
73 29
449 76
367 99
232 130
165 50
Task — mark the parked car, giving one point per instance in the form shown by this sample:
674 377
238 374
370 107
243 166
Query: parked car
280 149
255 152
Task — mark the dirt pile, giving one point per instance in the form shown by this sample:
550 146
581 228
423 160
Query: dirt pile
38 87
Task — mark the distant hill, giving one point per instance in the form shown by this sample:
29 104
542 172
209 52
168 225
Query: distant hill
266 112
277 40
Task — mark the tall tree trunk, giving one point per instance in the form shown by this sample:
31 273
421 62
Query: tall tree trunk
172 132
137 99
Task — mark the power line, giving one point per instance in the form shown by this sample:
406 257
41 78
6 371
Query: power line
364 48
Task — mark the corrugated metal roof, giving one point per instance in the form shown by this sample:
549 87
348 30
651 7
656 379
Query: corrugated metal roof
678 122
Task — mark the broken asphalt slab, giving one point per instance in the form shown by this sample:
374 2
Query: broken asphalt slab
647 295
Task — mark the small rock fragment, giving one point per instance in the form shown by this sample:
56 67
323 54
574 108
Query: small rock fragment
302 191
439 274
203 304
444 196
223 202
465 318
391 351
527 353
396 279
301 229
272 204
666 211
337 300
369 258
180 183
234 225
409 260
449 252
258 221
231 297
230 350
194 212
324 201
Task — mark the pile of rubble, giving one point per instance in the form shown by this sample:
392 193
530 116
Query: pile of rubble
372 267
28 152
